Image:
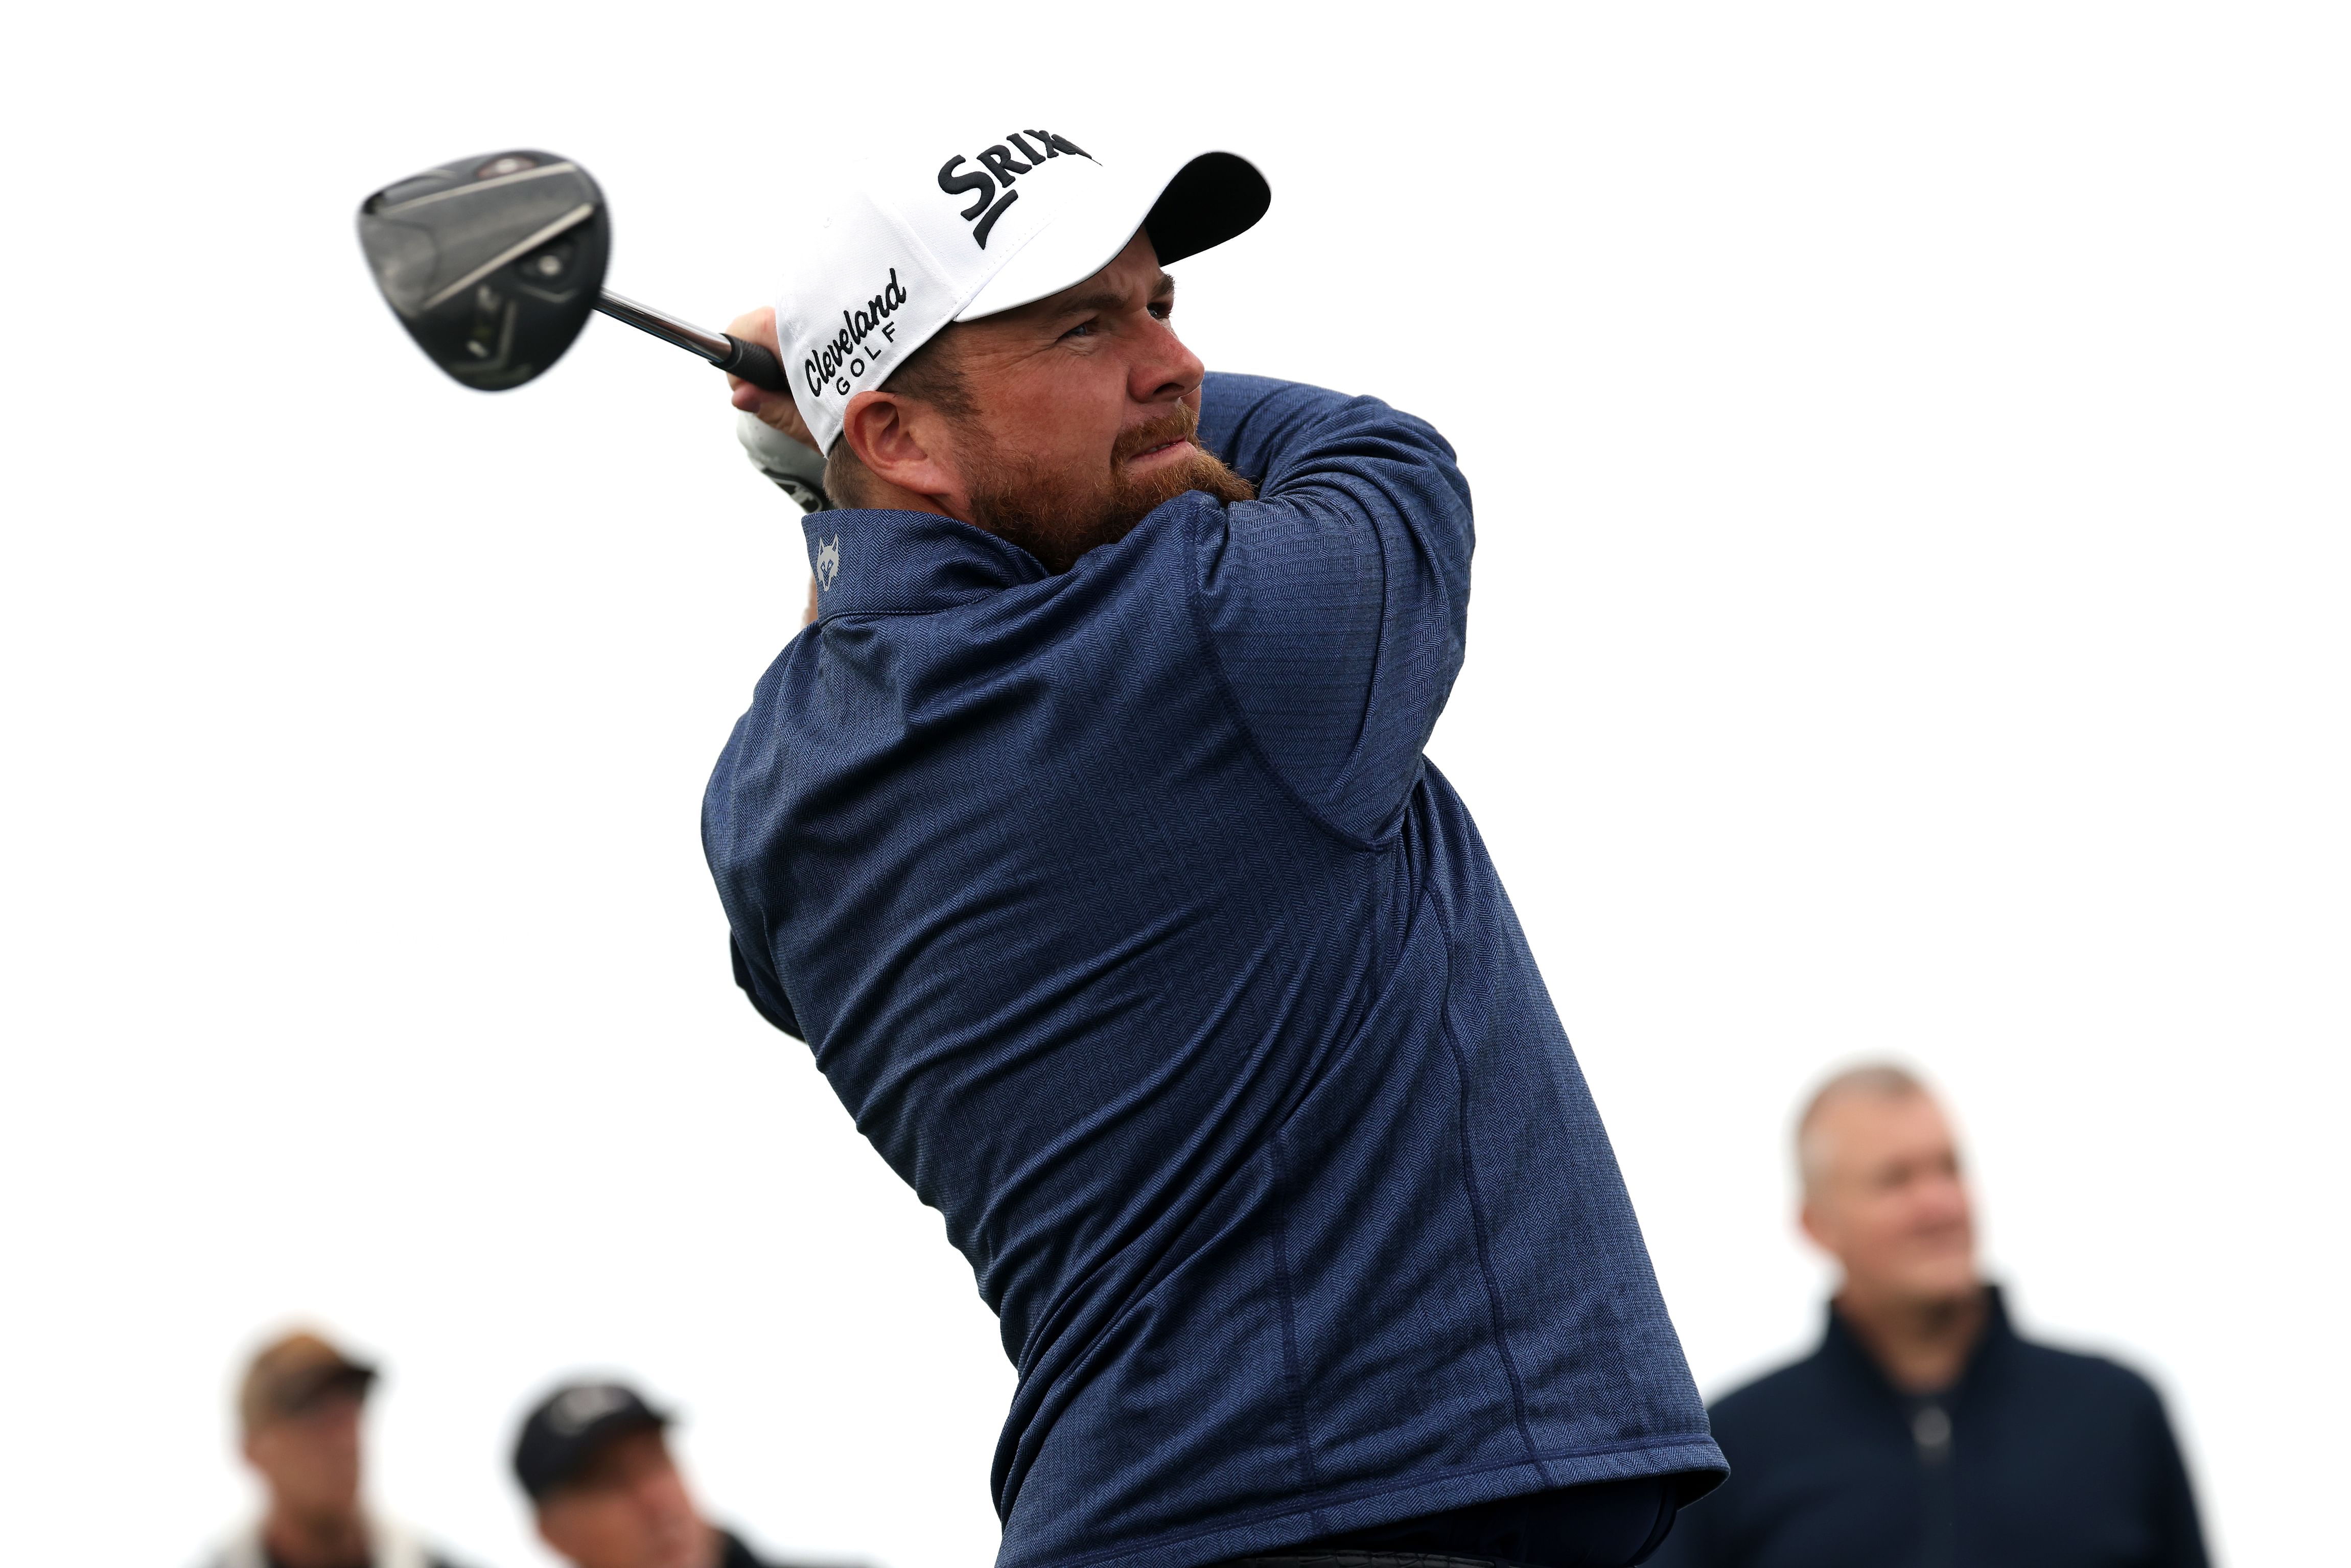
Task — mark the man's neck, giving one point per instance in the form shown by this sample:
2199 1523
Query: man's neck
329 1540
1921 1345
878 495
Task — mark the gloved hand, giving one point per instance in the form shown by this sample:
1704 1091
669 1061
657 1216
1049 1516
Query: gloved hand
769 425
795 465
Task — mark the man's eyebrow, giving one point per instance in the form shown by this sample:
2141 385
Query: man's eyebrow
1112 298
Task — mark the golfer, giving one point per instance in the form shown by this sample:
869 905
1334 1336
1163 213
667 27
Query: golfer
1087 839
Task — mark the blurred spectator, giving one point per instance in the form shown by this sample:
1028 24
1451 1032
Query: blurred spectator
1924 1431
299 1409
595 1458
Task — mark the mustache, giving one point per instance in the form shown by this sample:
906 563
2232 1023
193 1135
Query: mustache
1178 424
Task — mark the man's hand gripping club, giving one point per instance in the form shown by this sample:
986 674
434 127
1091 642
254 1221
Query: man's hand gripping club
773 432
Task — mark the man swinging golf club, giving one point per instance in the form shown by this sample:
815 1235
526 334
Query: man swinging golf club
1087 839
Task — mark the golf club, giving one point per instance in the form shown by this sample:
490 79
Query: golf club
494 263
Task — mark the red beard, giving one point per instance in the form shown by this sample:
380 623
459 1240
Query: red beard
1058 515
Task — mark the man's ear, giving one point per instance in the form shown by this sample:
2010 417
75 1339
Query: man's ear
902 443
1810 1221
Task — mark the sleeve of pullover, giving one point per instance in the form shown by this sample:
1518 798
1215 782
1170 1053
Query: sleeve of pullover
1338 601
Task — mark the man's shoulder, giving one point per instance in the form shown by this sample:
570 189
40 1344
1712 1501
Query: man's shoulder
1771 1400
1240 383
394 1545
735 1554
2079 1374
1251 421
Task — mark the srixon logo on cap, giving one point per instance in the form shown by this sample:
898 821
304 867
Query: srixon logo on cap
998 166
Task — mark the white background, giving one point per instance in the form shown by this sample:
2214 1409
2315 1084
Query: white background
1911 463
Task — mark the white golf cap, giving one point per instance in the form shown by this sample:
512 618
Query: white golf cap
1014 216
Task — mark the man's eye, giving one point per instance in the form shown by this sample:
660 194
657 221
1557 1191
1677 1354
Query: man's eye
1082 330
1161 309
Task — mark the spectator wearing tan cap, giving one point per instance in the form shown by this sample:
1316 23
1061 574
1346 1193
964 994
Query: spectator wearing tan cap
300 1410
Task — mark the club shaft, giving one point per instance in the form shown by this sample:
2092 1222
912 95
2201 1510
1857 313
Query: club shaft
711 345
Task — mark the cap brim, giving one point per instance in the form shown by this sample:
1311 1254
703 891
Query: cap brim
1207 200
304 1389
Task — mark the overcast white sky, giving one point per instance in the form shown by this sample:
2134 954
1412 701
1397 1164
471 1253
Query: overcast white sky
1910 449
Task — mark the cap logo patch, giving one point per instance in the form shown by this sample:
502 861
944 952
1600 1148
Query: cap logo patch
848 350
998 166
581 1407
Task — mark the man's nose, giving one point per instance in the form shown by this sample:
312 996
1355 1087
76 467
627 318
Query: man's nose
1165 370
1944 1199
662 1500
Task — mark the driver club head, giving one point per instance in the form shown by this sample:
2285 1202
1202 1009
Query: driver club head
493 262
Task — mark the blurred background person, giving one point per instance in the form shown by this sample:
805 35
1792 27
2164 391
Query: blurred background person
300 1408
594 1459
1924 1431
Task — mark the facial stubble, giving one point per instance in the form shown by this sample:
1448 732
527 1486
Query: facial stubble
1058 514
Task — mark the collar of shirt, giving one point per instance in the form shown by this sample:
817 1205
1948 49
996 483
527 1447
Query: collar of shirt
885 562
1842 1346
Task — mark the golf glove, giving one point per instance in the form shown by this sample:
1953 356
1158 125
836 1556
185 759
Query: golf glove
797 467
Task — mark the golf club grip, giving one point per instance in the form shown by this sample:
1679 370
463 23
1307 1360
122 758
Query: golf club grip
753 364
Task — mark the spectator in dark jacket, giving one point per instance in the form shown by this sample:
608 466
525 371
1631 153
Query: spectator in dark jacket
1924 1431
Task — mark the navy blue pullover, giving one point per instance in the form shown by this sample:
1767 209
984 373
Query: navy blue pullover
1123 914
2036 1459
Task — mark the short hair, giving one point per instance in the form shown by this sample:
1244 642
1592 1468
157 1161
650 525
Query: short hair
1879 1079
931 374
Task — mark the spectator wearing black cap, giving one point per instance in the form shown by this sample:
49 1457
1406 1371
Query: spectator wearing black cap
299 1409
595 1459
